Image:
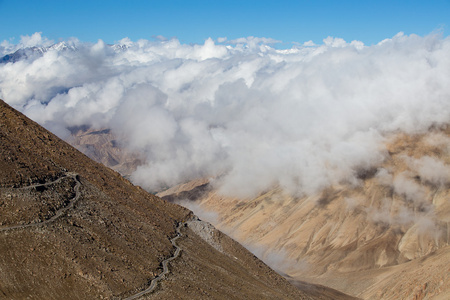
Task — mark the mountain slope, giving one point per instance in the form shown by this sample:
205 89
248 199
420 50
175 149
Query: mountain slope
72 228
385 238
102 146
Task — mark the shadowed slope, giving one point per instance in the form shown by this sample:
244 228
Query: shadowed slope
74 229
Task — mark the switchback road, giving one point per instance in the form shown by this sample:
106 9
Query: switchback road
59 212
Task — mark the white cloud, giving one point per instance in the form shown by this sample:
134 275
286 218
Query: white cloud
432 170
35 40
303 118
254 43
309 43
334 42
221 39
411 190
384 177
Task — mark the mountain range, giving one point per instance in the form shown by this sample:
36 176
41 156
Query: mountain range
34 52
24 53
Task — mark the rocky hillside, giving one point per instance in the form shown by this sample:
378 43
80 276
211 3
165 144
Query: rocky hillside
71 228
384 237
104 147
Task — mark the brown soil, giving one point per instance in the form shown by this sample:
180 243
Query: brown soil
94 235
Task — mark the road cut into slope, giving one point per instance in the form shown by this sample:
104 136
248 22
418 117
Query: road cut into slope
164 263
60 211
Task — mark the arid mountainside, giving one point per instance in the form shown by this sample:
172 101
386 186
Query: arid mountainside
384 237
102 146
71 228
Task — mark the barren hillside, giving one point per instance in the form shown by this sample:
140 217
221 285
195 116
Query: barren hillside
71 228
384 237
102 146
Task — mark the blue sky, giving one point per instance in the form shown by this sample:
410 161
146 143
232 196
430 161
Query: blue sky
195 21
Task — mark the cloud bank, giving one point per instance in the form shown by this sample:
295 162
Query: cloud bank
241 111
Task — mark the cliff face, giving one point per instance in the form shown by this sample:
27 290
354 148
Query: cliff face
385 237
72 228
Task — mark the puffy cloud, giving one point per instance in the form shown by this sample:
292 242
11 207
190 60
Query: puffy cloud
309 43
432 170
221 39
35 40
411 190
384 177
247 113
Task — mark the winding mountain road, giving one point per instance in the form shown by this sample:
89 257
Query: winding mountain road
165 266
60 211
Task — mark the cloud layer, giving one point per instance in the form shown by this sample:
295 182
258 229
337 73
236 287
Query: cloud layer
241 111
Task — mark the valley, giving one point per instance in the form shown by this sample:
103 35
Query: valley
386 237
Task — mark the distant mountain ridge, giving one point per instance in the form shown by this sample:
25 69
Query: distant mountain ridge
36 52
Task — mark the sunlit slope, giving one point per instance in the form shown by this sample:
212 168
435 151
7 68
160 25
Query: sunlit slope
104 147
377 238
